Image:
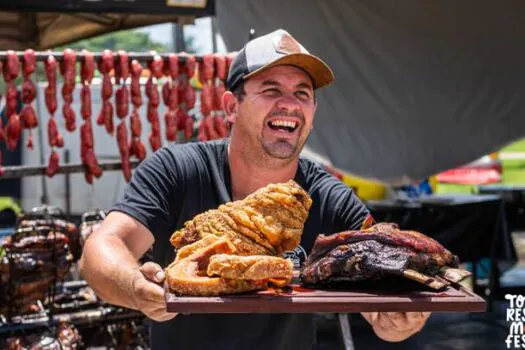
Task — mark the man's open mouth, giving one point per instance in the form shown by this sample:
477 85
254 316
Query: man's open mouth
283 125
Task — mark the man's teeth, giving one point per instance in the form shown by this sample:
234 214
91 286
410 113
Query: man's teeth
289 124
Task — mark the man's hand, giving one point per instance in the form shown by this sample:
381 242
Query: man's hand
148 295
396 326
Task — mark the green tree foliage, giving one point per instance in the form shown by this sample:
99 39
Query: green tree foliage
130 40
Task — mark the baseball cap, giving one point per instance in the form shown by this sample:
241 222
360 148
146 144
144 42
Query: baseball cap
275 49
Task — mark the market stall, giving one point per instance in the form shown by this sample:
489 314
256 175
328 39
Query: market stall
145 101
185 106
456 221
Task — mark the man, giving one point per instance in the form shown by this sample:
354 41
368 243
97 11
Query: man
271 103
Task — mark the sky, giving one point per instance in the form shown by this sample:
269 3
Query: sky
200 31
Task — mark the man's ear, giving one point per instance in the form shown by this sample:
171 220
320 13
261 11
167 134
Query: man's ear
230 105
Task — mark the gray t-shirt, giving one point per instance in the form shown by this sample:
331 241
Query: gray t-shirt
180 181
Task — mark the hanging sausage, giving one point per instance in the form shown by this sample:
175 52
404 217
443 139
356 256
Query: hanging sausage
13 129
170 96
87 146
68 71
28 115
219 122
105 117
137 147
186 95
206 77
152 92
122 105
54 136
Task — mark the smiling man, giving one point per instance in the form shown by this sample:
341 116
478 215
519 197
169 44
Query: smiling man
271 104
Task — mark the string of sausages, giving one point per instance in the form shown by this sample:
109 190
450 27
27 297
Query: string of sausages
87 144
28 115
122 104
137 147
171 74
54 137
186 97
170 96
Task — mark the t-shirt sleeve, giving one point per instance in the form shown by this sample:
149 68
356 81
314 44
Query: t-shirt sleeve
340 207
151 195
351 211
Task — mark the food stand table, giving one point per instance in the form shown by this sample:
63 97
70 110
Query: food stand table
472 227
514 198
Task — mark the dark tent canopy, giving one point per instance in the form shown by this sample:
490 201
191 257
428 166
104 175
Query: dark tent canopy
421 86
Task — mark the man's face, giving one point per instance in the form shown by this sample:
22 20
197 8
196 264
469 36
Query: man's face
277 111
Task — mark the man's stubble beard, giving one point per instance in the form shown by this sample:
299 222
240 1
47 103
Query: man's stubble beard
282 149
261 151
273 154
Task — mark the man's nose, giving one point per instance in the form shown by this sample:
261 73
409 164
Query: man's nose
288 103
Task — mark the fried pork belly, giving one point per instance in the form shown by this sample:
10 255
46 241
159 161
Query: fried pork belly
250 267
232 249
269 221
210 270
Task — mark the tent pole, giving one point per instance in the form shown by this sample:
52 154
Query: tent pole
214 33
43 198
177 32
16 171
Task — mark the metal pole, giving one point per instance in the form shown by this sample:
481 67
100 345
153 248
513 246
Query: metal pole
43 198
67 179
214 34
174 37
179 45
12 172
346 332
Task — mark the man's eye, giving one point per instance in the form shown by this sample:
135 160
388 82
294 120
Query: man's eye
303 94
272 91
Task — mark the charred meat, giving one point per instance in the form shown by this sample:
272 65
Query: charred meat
377 252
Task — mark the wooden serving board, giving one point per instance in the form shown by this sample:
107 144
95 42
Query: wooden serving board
302 300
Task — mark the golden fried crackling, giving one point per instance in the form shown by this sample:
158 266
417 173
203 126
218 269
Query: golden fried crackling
232 249
250 267
192 248
188 276
272 219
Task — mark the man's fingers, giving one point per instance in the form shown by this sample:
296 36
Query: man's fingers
152 272
417 319
417 316
148 291
396 326
392 320
371 317
155 293
161 315
403 321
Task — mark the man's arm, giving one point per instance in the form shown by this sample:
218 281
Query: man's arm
109 264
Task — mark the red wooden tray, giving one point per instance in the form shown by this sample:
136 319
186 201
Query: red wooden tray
302 300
